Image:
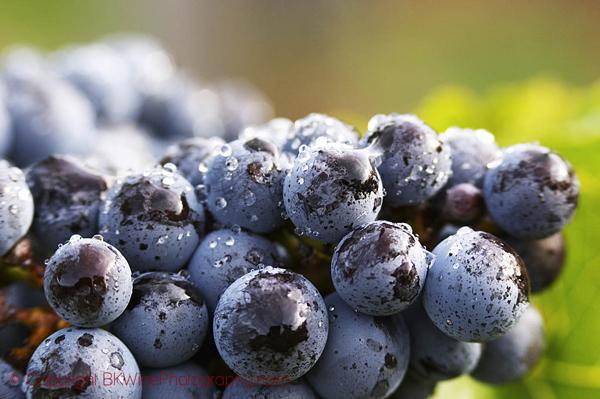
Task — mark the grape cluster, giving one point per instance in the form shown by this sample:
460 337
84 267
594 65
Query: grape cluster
188 237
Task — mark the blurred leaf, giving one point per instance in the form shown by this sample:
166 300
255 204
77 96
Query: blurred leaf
567 120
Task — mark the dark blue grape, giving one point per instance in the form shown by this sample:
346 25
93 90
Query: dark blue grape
413 388
16 206
276 131
414 163
531 192
543 258
10 382
472 150
242 105
49 116
154 219
188 155
185 381
463 203
270 323
476 288
318 129
87 282
67 200
180 108
226 255
379 268
73 362
121 150
515 354
149 65
365 357
434 356
172 316
244 183
101 74
331 190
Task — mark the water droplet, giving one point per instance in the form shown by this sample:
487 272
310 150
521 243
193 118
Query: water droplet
299 231
170 167
236 229
464 230
162 239
449 322
300 180
303 156
202 167
13 209
180 237
230 241
213 244
220 203
332 308
253 218
225 150
168 181
74 238
231 163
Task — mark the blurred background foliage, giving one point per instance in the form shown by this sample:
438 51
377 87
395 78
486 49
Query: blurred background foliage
524 70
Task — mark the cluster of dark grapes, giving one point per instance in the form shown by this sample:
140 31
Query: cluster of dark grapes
287 259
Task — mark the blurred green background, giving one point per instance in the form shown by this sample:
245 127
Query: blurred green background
524 70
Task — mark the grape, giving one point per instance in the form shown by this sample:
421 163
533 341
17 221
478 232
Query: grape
189 154
414 163
241 389
241 105
87 282
172 316
543 258
331 190
365 357
433 355
531 192
226 255
413 388
154 219
121 150
244 184
510 357
318 129
148 63
379 268
67 199
477 287
185 381
10 380
270 323
276 131
71 362
472 150
101 74
49 116
463 203
180 108
16 206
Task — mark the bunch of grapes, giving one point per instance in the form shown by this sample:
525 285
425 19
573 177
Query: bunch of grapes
187 237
